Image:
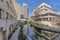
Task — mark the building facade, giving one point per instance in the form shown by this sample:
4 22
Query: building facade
17 9
8 18
24 10
46 15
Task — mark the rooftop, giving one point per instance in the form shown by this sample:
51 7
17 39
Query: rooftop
24 4
45 4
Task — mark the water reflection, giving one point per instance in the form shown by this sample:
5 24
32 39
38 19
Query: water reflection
30 33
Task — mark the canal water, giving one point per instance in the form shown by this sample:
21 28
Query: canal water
30 33
32 37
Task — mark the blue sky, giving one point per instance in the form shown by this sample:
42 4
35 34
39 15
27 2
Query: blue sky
32 4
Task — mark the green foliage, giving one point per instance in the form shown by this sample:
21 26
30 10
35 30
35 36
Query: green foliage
58 23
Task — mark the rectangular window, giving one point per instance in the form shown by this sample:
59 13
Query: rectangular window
1 0
22 16
0 13
8 5
7 16
10 17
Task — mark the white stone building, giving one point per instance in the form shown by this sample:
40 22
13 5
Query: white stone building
45 15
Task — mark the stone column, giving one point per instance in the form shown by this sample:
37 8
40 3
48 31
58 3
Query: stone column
48 19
